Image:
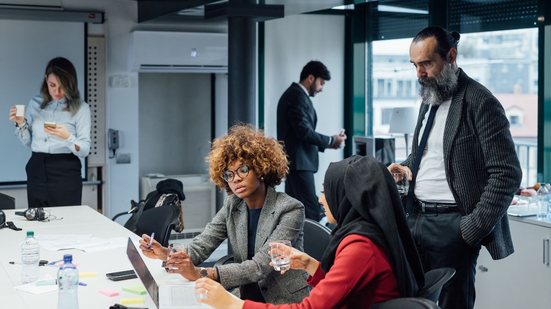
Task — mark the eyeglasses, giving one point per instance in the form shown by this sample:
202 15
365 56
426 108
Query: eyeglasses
242 171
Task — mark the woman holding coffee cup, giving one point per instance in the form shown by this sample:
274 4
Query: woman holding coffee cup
371 257
56 127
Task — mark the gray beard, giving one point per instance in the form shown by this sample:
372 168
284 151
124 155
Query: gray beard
436 90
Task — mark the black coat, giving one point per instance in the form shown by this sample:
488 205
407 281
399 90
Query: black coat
481 164
296 125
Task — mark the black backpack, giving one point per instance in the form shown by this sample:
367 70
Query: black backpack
169 193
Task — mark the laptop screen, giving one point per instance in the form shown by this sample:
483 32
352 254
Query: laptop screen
143 272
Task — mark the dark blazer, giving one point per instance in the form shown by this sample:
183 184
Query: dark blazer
281 218
296 127
482 168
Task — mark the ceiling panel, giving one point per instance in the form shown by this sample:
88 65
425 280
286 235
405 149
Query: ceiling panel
186 10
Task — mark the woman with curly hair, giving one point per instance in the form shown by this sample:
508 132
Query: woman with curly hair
247 165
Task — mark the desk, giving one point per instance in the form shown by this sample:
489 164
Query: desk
522 280
75 220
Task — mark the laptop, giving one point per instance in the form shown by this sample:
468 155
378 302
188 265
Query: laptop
166 295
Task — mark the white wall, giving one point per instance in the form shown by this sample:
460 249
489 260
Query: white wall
290 43
122 108
175 119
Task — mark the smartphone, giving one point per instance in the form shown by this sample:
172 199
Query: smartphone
121 275
48 124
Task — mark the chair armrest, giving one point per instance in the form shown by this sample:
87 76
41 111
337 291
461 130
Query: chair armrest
227 259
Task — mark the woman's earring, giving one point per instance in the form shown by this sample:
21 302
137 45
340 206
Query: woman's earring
262 178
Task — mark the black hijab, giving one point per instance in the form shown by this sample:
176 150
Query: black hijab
363 199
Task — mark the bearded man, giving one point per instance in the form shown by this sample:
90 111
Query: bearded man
463 168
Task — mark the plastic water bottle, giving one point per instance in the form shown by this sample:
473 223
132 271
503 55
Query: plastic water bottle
67 282
542 198
30 256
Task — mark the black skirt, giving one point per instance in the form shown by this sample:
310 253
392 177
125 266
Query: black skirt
53 180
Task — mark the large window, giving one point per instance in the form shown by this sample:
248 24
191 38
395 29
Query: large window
506 62
391 64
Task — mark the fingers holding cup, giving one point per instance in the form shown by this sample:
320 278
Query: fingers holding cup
280 253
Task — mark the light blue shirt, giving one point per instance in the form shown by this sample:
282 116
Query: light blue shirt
32 133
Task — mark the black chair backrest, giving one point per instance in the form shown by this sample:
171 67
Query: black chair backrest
407 303
160 220
435 279
316 238
6 201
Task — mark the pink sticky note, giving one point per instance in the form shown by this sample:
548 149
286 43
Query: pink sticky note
109 293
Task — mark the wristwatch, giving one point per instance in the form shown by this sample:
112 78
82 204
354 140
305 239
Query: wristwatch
203 272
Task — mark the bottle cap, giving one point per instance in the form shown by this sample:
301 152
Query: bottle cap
30 233
68 258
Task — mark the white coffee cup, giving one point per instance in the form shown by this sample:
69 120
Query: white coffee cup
19 110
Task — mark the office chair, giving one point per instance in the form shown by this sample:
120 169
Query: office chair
435 279
316 238
407 302
6 201
160 220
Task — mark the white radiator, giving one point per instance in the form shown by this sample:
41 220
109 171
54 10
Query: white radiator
200 204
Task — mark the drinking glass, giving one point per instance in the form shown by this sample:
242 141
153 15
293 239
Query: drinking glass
175 247
280 252
178 246
402 183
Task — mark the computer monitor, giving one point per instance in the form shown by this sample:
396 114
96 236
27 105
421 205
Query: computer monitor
380 147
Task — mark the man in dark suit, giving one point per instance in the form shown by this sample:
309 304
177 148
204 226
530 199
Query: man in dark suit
463 171
296 127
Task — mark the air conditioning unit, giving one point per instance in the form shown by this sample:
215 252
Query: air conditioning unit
186 52
200 204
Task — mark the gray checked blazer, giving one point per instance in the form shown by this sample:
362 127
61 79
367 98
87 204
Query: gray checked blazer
482 168
281 218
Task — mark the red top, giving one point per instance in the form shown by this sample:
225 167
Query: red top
360 277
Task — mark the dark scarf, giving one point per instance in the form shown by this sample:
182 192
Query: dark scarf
362 197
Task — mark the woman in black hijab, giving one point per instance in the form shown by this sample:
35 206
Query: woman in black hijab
371 257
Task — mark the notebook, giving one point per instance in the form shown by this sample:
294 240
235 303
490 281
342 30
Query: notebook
165 295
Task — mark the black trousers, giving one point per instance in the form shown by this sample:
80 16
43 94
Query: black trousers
53 180
440 244
301 185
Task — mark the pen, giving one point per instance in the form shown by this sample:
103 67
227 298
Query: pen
52 263
151 239
40 263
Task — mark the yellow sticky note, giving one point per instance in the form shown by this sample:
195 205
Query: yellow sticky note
131 300
86 274
136 289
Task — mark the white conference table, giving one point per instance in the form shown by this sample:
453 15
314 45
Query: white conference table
75 220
